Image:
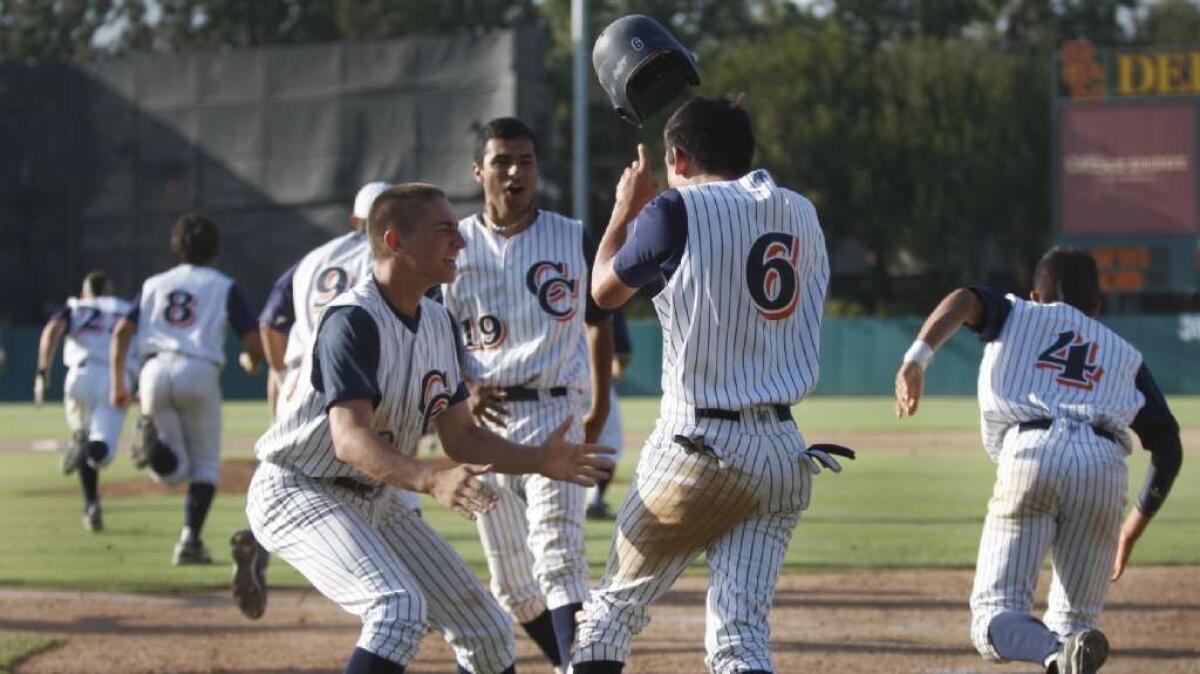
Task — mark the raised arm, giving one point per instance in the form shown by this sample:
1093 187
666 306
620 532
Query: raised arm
636 188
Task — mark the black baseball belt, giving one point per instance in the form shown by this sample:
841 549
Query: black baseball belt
1046 424
782 413
526 394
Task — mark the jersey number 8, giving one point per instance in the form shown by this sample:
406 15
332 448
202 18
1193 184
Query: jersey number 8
180 311
771 275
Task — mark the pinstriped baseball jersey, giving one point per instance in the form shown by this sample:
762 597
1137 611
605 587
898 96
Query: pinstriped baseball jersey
1051 361
417 374
520 304
321 275
89 332
754 341
184 310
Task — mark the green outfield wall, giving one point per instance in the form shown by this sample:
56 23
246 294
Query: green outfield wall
858 357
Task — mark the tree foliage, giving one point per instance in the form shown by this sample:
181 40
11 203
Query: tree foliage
919 127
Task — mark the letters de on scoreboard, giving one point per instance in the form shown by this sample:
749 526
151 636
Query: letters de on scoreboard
1089 73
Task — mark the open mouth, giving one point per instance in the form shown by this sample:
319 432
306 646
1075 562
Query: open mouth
514 190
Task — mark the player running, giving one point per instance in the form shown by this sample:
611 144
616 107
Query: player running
179 321
535 347
725 471
87 322
1058 393
384 369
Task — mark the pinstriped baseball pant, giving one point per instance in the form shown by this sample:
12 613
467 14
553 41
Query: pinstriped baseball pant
183 396
739 509
377 559
85 400
1062 491
533 539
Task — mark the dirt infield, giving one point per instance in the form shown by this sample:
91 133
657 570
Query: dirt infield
897 621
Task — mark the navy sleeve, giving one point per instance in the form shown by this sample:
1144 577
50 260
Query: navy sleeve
135 309
346 357
621 342
279 313
241 317
592 312
655 241
996 308
1159 432
63 313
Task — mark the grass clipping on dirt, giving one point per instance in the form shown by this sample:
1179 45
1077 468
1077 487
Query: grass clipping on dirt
16 647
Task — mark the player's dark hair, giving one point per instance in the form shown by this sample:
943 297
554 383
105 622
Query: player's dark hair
715 133
506 128
395 208
95 282
1068 275
194 239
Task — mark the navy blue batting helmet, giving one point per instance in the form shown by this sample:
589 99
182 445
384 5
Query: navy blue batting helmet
641 66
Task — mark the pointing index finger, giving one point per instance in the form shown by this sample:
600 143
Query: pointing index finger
643 158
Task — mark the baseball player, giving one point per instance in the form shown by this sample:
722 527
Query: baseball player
87 321
1058 392
382 370
286 325
179 320
613 434
535 347
725 471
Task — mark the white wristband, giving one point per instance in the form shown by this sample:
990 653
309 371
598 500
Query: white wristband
919 353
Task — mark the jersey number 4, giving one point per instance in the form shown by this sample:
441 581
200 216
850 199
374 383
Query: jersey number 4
771 275
1073 359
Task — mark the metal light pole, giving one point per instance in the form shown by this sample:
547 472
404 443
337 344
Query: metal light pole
579 168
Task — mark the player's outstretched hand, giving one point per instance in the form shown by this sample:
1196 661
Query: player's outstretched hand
581 463
1131 531
910 380
460 490
637 185
487 404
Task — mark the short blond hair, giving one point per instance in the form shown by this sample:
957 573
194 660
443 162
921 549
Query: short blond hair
395 208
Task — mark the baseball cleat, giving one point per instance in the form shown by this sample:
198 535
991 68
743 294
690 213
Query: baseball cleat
189 552
93 521
249 574
1082 653
73 454
599 511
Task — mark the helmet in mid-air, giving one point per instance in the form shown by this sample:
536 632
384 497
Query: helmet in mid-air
641 66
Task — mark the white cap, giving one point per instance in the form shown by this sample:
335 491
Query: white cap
366 196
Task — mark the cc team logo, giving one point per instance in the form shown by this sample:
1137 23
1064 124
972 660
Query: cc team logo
327 284
771 275
435 397
557 293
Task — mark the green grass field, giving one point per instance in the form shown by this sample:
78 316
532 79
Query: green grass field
889 509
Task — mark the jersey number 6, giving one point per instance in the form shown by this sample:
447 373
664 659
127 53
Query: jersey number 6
771 275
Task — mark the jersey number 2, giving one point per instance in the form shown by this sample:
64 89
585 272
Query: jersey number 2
771 275
181 309
1073 359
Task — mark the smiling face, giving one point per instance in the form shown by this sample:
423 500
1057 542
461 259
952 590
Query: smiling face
509 176
430 245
